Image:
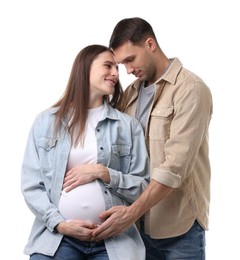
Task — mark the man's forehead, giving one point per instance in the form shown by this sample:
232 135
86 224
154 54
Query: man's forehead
124 52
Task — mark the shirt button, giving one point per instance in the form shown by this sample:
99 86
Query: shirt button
98 130
101 148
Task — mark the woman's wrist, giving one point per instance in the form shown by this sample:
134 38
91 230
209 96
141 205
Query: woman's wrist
103 173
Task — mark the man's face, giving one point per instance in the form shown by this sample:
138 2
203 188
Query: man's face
136 59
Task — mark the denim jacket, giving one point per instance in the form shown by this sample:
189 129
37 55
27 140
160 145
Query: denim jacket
120 147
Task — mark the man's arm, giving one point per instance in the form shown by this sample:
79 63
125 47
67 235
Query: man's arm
119 218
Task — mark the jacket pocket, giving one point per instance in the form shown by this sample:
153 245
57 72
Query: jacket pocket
160 122
121 157
46 150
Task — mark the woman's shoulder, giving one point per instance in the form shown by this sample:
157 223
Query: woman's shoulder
48 112
120 114
126 117
45 117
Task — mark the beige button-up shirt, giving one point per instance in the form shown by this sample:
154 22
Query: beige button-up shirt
177 140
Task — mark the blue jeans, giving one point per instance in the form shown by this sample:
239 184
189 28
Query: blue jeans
74 249
189 246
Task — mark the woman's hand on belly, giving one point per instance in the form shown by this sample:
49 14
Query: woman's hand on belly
85 173
79 229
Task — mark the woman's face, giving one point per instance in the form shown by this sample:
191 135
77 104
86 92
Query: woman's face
103 76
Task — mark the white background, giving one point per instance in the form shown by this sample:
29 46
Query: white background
39 41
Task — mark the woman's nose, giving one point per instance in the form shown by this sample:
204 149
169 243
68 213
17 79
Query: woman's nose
115 72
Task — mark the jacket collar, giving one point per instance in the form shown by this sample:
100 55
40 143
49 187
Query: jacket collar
110 112
172 71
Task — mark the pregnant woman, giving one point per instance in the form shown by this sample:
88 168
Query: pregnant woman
82 157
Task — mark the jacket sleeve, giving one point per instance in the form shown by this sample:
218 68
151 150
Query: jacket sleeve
129 186
188 135
32 184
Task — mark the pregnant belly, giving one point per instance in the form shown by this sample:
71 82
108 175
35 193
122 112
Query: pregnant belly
84 202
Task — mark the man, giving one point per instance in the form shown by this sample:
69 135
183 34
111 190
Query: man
174 107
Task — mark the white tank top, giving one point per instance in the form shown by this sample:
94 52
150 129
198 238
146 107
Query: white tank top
85 202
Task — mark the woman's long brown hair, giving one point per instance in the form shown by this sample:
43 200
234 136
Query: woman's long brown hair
73 105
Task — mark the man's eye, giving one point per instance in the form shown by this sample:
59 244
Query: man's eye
130 60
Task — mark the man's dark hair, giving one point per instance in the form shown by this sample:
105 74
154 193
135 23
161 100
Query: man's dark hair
135 29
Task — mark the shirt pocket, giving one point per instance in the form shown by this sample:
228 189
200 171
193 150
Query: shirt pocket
46 150
121 157
160 122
